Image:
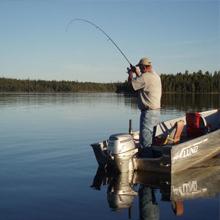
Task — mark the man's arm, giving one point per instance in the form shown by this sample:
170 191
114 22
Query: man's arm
130 76
137 81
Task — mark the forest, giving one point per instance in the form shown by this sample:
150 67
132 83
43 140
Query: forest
196 82
180 83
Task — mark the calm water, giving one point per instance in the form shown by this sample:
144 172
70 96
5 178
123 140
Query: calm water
47 165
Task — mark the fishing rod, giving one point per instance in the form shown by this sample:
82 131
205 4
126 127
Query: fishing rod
102 31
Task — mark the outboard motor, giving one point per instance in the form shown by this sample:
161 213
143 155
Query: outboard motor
122 148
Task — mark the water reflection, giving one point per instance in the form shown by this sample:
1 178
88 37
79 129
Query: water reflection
191 102
148 205
198 182
182 102
17 99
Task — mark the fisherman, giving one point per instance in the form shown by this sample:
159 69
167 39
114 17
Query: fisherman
148 84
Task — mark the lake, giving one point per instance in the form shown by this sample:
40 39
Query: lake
47 166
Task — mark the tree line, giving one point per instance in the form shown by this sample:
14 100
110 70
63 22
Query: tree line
17 85
196 82
182 83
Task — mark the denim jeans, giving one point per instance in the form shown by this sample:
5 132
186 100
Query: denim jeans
148 119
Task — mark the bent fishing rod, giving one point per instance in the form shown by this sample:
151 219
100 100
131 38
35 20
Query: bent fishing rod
102 31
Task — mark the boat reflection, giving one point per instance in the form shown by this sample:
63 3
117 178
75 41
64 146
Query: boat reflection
197 182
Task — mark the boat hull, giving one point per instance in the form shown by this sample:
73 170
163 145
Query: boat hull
195 151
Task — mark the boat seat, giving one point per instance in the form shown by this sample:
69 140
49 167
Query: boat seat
171 136
196 125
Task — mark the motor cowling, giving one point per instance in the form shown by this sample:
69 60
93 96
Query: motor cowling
120 143
122 149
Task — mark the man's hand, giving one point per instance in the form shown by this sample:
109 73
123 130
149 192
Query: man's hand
133 69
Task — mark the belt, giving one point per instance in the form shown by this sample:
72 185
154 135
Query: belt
147 109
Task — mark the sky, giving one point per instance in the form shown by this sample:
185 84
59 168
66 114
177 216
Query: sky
177 35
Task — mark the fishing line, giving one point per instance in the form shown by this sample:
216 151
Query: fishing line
102 31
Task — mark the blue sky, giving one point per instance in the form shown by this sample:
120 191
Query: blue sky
177 35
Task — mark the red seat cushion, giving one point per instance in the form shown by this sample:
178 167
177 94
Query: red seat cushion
195 124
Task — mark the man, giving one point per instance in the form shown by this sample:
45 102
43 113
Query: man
148 84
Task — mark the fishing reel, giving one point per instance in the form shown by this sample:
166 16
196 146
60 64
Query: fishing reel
131 69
